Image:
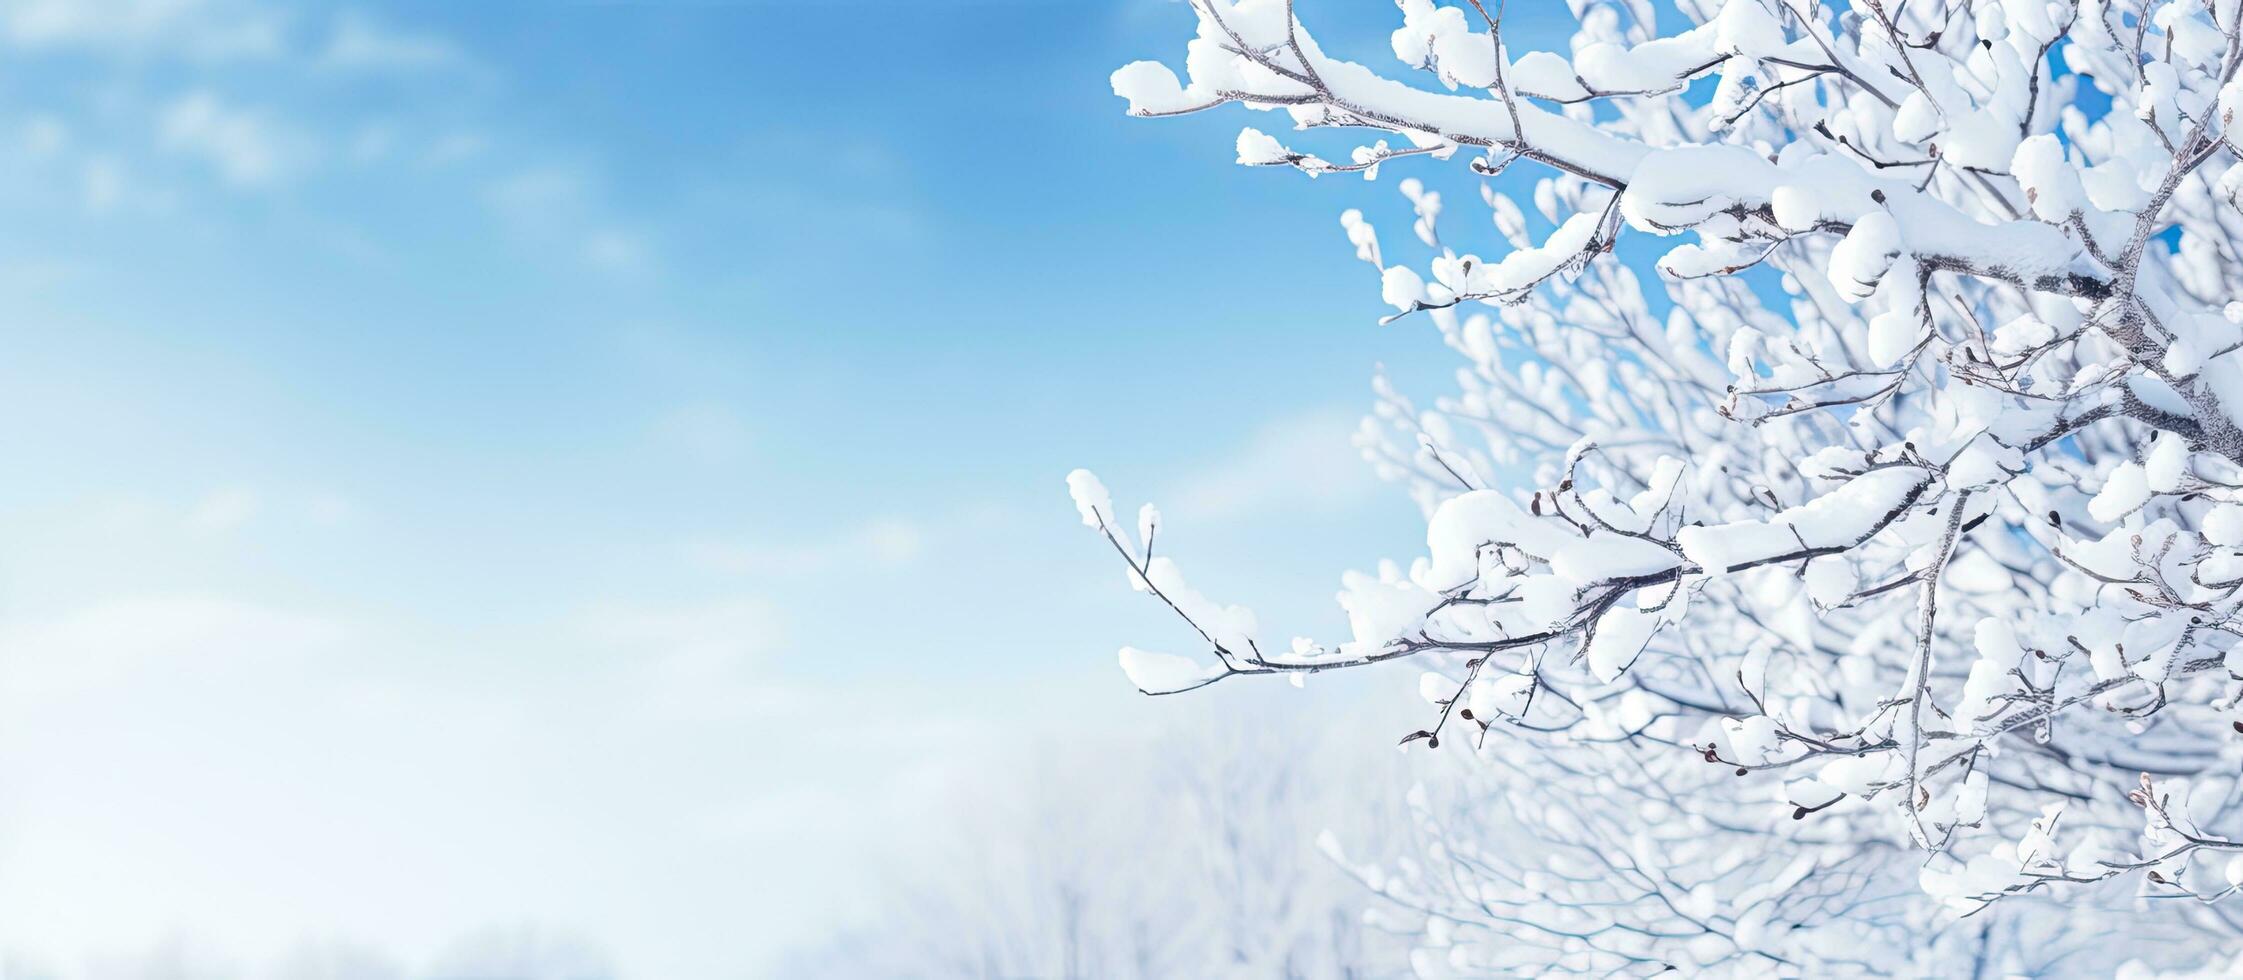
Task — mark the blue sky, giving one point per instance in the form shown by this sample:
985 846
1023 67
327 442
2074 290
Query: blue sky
597 466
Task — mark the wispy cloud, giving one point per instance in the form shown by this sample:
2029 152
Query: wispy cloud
360 43
706 432
558 204
697 661
102 184
618 251
534 193
210 32
219 513
722 633
327 509
278 96
1302 465
303 64
883 544
246 146
281 747
222 511
137 640
193 30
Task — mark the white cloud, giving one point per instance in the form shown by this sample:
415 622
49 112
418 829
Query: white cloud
329 509
229 509
712 637
1307 464
195 30
45 135
276 121
536 193
618 251
209 767
693 660
299 57
135 640
245 146
212 31
250 774
225 510
101 184
884 544
890 543
454 147
244 774
708 432
563 204
360 43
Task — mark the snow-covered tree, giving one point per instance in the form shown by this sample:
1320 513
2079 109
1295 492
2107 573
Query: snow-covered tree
522 953
1907 497
1191 853
1562 856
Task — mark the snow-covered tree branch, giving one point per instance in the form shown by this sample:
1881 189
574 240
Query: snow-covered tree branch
1909 498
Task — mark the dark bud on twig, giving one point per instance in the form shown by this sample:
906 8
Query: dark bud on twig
1466 713
1742 770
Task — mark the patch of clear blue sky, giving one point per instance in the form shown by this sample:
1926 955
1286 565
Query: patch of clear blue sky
618 281
916 255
